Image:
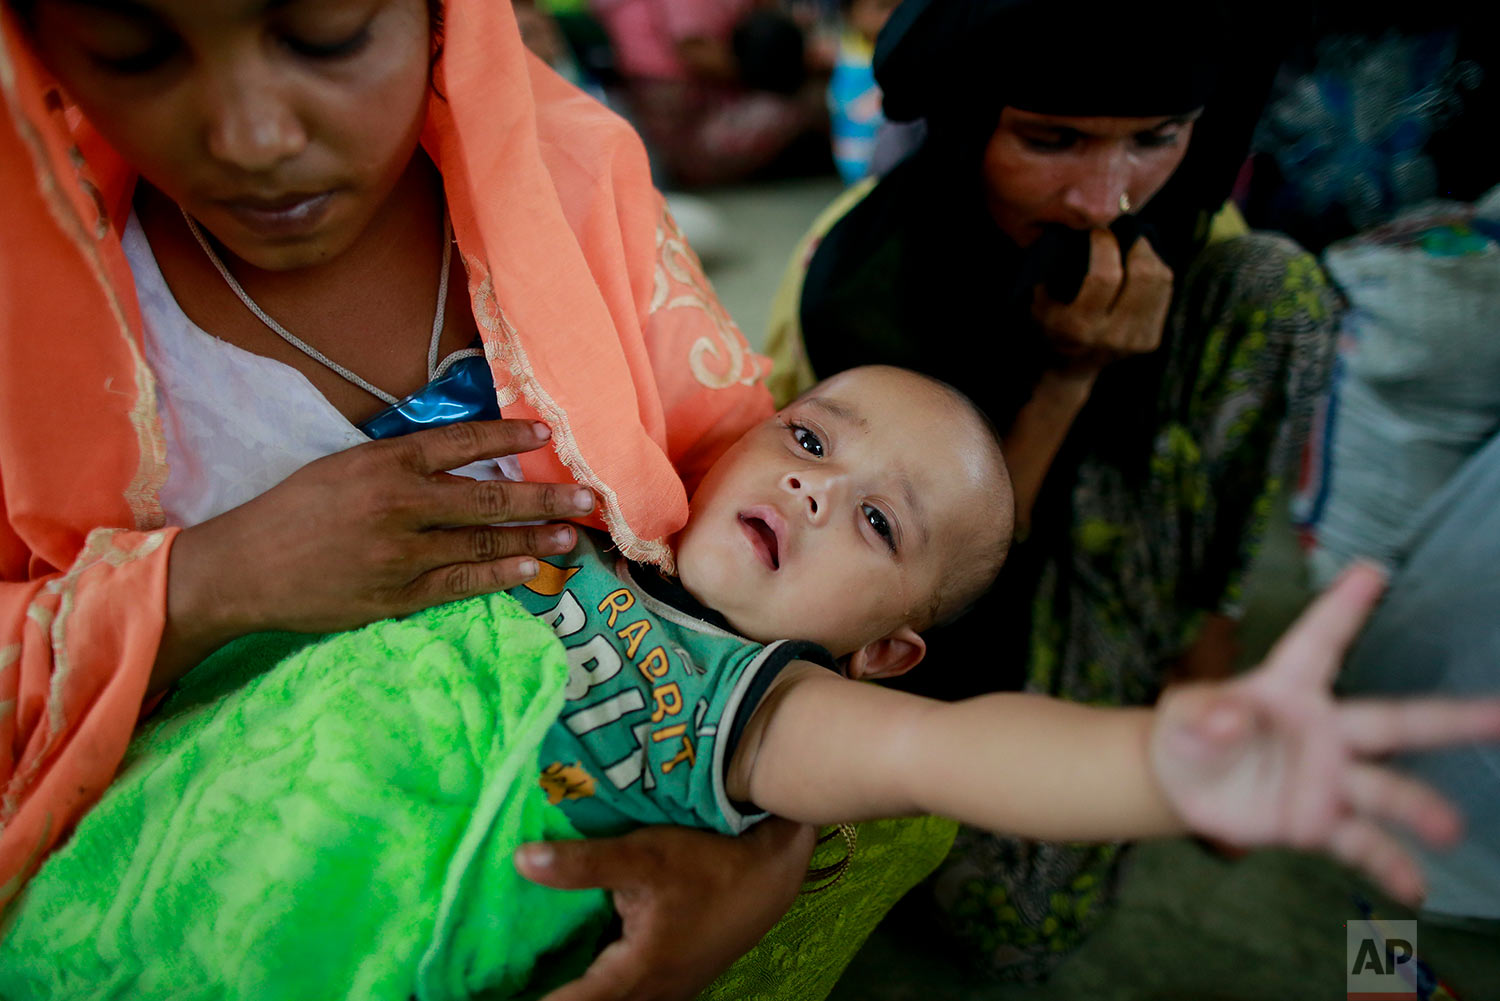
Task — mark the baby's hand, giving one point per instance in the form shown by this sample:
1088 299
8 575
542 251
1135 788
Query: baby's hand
1273 758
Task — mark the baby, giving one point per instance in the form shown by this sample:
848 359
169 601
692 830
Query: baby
821 544
341 824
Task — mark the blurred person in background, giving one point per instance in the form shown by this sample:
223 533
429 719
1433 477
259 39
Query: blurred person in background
719 89
853 95
562 34
1438 629
1369 153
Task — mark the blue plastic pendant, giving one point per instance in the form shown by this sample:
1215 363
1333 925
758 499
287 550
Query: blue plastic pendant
466 392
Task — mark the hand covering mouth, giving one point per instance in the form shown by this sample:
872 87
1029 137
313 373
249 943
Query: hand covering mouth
763 538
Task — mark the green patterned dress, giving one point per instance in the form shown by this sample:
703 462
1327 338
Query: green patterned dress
1147 553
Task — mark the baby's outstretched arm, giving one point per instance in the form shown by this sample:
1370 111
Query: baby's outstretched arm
1267 758
833 750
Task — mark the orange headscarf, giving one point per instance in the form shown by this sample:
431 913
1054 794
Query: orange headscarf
595 315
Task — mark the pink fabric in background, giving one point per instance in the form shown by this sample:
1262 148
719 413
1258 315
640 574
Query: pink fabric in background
645 33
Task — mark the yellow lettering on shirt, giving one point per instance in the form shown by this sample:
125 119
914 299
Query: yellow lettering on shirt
686 754
616 602
633 634
668 701
655 664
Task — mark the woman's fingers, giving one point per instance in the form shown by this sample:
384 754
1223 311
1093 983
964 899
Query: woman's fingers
1121 307
486 544
1076 327
465 562
1359 843
457 500
633 966
455 445
1106 275
466 580
608 863
374 531
617 974
1145 296
672 886
1388 795
1383 726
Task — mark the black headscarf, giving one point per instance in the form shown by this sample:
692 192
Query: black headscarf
948 59
918 275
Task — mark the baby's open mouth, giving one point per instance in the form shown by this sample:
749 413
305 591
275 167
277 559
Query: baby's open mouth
765 539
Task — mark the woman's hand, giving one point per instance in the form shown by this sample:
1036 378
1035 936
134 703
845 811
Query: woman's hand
1273 758
1120 310
691 903
374 531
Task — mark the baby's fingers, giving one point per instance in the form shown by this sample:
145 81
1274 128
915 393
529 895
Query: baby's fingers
1389 795
1382 726
1310 652
1362 845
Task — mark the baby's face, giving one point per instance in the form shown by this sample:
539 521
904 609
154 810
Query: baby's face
837 520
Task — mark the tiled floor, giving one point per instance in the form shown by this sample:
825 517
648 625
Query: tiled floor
1190 926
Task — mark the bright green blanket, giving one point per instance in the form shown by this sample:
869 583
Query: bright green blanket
319 818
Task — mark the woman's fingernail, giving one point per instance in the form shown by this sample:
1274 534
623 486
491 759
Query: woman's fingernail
584 499
537 856
543 432
527 568
563 536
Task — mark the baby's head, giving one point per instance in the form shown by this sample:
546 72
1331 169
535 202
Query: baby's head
872 507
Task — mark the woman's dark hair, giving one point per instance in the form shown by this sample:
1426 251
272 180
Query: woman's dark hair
435 26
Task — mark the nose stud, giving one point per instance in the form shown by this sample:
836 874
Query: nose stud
1124 201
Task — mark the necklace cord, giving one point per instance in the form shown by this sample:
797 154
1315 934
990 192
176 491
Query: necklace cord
433 368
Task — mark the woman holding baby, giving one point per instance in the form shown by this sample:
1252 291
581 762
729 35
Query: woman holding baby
241 242
1052 250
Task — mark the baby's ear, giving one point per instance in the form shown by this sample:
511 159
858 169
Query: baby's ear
890 657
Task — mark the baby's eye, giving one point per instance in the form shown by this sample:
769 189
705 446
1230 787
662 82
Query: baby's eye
878 522
808 439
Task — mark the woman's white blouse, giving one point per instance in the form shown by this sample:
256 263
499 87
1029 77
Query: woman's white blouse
235 423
